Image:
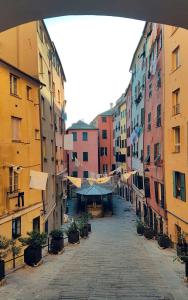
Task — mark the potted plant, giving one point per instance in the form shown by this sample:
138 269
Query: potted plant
73 233
4 248
86 217
34 243
182 247
148 233
140 228
163 241
83 228
57 241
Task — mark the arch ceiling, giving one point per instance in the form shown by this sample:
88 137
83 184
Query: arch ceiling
172 12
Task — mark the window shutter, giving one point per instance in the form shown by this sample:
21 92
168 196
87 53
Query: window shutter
174 184
162 196
183 192
156 192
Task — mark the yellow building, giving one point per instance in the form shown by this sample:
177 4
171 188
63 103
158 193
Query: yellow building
20 152
35 54
176 130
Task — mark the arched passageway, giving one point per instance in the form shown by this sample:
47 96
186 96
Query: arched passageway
172 12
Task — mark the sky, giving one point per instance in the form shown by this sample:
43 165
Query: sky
96 53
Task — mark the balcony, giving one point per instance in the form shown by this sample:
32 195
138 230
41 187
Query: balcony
176 110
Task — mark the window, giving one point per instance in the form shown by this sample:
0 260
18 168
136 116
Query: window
59 96
16 129
51 116
85 156
101 151
84 136
74 174
147 187
176 102
104 134
150 90
159 79
40 64
122 144
14 85
52 148
158 115
179 190
128 151
105 168
74 155
36 224
74 136
85 174
44 147
104 119
176 138
176 58
142 117
37 134
29 91
159 193
42 107
147 159
49 80
149 121
157 152
13 180
16 227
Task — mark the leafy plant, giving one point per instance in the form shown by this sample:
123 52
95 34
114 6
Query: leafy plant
34 239
4 246
72 227
56 233
15 249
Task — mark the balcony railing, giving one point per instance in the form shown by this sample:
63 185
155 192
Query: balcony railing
176 109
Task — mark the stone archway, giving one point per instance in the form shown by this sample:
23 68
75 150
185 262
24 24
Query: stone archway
172 12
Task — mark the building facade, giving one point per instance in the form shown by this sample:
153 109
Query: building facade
176 130
138 70
83 160
32 40
154 209
20 152
104 123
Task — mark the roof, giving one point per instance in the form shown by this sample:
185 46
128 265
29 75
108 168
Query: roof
107 112
21 72
80 125
94 190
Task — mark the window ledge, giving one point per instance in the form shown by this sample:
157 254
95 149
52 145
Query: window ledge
16 96
172 71
17 141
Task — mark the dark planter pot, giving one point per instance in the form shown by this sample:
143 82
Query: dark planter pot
182 249
56 245
32 256
73 237
148 233
163 241
84 232
2 269
140 229
89 227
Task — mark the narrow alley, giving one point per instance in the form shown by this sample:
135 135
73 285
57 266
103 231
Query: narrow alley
113 263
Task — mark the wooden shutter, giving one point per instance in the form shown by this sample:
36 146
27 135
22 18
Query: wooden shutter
174 183
182 183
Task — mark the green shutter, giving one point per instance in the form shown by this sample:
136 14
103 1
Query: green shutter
174 184
183 192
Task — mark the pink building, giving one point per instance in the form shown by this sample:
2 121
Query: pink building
83 160
154 210
104 122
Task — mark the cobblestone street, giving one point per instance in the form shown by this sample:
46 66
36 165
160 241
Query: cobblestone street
114 263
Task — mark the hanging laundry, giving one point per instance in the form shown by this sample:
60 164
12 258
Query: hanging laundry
38 180
76 181
68 142
103 180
